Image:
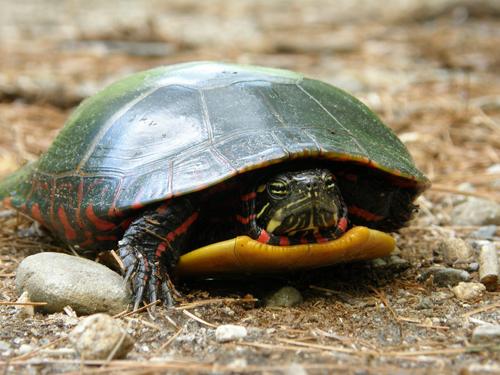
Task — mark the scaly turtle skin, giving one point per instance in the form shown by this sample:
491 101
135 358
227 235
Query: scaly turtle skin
178 158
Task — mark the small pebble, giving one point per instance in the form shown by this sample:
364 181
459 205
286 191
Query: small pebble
481 369
97 336
476 211
486 334
493 169
230 332
25 348
238 364
473 267
455 250
378 263
468 291
294 369
393 263
62 280
25 311
488 266
444 276
424 303
4 346
284 297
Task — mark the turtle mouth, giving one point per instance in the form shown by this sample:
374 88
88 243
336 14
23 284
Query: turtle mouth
303 220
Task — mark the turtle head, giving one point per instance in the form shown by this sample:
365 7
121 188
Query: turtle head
301 203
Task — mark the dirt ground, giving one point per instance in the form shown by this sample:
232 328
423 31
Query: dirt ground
430 69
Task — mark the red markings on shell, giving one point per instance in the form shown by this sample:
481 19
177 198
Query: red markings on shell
364 214
69 232
100 224
37 214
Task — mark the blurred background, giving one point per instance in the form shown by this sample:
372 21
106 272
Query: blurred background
429 68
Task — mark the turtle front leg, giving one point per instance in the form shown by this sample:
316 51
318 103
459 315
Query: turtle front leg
151 247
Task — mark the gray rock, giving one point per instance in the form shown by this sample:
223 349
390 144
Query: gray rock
468 291
485 232
61 280
476 211
285 297
98 336
393 263
486 334
473 267
230 332
455 250
443 276
425 303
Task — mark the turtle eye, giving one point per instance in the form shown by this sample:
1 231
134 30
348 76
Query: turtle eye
330 182
278 189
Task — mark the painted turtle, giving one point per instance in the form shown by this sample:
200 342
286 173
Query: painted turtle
236 168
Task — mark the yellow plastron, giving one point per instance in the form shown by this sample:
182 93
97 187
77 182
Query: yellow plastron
243 254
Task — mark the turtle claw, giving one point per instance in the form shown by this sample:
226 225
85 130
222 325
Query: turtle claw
153 283
145 280
166 294
138 293
136 271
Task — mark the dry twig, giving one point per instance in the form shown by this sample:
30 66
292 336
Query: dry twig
8 303
198 319
170 340
124 314
33 352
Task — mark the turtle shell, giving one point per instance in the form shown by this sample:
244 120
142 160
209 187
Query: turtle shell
179 129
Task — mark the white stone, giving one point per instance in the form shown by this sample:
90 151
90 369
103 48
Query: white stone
25 348
486 334
230 332
295 369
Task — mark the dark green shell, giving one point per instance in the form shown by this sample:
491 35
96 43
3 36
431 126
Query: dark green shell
173 130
